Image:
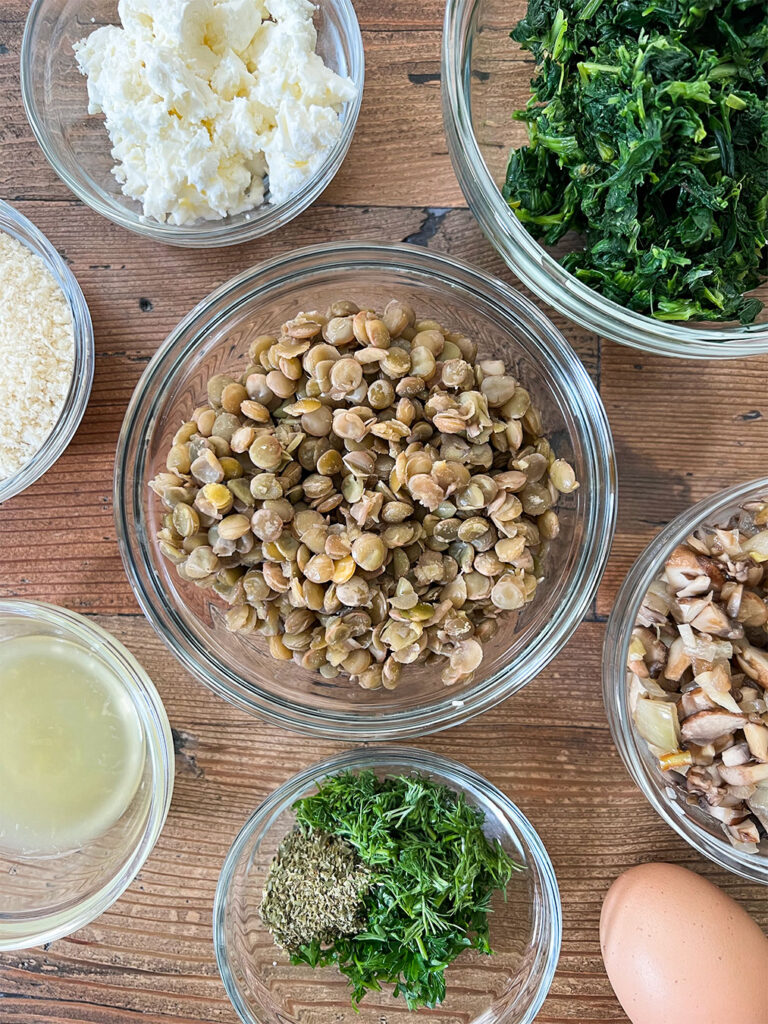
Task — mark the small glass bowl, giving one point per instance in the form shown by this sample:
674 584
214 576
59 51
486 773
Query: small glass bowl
77 146
526 929
215 337
700 831
485 77
43 898
24 231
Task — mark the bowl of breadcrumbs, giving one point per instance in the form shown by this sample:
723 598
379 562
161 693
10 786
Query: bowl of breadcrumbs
46 353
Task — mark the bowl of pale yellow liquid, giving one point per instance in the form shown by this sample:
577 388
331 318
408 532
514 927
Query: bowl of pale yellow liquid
86 771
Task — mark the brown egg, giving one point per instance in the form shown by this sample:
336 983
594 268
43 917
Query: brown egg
679 951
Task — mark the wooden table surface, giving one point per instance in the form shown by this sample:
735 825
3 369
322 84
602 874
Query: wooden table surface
682 430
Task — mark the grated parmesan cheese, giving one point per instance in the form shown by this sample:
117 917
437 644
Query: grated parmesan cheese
37 354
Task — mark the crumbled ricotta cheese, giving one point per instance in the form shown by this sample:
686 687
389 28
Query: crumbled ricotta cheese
37 354
204 98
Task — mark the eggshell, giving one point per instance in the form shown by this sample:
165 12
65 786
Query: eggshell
679 951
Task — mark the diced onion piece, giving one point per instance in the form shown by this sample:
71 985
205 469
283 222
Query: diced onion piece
758 803
658 724
757 546
730 541
679 759
641 689
703 650
711 685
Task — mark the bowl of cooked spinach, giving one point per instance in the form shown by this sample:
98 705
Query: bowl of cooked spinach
616 154
383 883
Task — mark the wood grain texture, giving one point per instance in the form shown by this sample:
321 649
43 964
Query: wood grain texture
682 430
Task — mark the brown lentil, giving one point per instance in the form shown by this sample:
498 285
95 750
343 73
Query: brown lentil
367 495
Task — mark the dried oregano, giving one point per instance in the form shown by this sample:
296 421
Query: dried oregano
314 890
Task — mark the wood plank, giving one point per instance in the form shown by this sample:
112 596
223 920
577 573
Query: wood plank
152 954
683 430
398 15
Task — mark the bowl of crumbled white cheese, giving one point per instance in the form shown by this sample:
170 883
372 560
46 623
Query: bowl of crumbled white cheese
46 353
196 122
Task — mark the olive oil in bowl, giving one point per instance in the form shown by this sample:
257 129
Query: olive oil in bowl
72 748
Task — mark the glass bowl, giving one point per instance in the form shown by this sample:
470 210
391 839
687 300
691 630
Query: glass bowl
43 898
77 146
700 831
485 76
215 336
24 231
526 930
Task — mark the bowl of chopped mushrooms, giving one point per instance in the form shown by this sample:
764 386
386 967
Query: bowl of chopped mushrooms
685 670
365 491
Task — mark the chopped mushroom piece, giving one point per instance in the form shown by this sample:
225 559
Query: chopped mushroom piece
705 782
678 660
745 832
754 663
702 755
708 726
757 740
744 774
699 664
692 701
714 621
752 610
739 753
728 815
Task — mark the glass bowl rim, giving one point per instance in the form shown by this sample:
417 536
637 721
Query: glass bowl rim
411 759
530 261
34 931
26 233
586 408
201 234
616 644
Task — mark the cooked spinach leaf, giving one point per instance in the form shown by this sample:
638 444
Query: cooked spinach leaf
648 128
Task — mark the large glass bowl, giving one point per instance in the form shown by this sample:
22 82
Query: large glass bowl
215 337
24 231
43 898
77 146
702 832
485 77
509 986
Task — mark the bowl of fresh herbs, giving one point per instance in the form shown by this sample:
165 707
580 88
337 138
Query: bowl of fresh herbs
617 157
381 883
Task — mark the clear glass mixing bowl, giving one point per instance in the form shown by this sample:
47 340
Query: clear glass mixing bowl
215 336
24 231
702 832
485 77
526 929
43 898
77 146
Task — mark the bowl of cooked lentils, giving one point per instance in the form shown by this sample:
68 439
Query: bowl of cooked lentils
365 491
383 884
685 669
